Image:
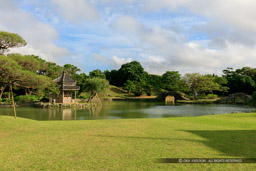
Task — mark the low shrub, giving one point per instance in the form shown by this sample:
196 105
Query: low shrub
26 98
212 96
84 95
7 100
201 96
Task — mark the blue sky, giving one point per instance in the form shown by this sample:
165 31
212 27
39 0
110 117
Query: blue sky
181 35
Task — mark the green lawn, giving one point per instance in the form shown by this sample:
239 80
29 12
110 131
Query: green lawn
128 144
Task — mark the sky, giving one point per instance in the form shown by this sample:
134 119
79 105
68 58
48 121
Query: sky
188 36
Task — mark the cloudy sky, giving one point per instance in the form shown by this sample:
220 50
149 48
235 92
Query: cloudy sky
203 36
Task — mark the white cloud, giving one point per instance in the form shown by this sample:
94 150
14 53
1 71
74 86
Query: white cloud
39 36
77 11
118 1
156 59
127 24
229 27
117 62
140 30
232 19
99 58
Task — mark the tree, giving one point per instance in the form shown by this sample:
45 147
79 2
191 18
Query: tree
171 81
95 85
97 74
53 70
192 81
35 84
71 70
12 74
81 79
129 86
241 80
10 40
9 74
132 71
28 62
114 77
222 81
207 84
202 83
154 81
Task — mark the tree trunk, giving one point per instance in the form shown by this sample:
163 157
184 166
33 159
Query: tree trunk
2 91
14 110
94 99
28 91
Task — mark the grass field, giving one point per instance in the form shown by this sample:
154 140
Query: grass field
128 144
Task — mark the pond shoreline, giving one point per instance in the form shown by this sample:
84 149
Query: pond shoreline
17 105
121 110
130 99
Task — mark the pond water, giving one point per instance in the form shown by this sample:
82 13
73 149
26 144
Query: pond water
124 109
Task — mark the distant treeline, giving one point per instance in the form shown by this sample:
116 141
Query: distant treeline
31 75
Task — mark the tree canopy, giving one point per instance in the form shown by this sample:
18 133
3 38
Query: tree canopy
10 40
132 71
30 74
171 81
96 85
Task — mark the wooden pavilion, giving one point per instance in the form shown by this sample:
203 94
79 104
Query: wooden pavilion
66 86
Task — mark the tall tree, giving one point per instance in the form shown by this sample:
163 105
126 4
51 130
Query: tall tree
10 40
97 73
171 81
53 70
202 83
28 62
71 70
94 85
11 73
241 80
114 77
132 71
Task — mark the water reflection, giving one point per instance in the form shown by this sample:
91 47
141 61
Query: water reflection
67 114
123 109
94 111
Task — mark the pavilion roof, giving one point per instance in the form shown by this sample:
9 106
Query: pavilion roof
66 83
64 79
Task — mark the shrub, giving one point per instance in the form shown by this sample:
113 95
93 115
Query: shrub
201 96
212 96
84 96
26 98
7 100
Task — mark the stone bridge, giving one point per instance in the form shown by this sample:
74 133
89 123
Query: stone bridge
236 98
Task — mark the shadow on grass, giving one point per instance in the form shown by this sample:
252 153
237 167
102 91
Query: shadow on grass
234 143
147 138
237 143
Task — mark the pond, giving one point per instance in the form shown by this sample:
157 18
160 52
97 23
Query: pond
123 110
